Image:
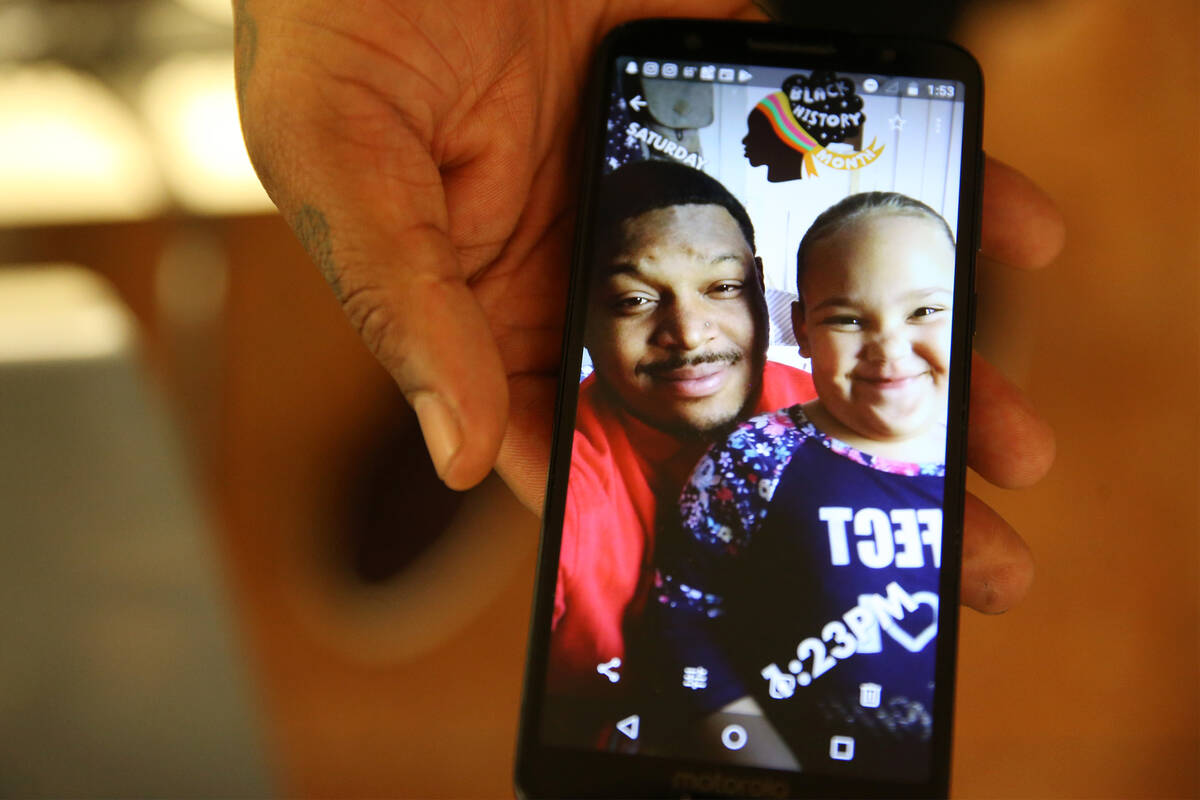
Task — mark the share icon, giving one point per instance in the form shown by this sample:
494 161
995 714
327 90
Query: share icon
609 669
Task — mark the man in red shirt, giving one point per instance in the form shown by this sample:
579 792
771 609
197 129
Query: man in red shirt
677 332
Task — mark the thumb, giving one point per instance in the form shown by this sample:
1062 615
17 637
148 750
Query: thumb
421 320
413 308
398 278
361 190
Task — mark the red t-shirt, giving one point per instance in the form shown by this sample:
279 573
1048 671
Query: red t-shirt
619 466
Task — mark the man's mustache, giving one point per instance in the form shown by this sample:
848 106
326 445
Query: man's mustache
658 368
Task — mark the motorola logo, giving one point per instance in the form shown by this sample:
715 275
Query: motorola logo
714 782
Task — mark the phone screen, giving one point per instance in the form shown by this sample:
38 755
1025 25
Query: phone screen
749 564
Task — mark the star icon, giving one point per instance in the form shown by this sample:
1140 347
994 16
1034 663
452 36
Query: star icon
897 122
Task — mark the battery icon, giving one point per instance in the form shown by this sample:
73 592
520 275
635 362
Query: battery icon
913 90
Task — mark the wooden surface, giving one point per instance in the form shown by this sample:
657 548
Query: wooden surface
1089 689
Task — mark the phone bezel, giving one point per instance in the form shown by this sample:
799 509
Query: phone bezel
544 770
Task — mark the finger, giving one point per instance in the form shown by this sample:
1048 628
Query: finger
1008 443
525 453
997 568
1022 227
755 12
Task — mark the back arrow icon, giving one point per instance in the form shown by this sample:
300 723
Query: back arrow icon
630 725
638 103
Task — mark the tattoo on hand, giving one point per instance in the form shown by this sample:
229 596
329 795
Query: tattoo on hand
245 43
312 229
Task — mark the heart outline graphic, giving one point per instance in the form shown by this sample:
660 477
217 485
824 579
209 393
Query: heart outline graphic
913 644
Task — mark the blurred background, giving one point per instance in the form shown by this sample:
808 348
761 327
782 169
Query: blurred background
216 581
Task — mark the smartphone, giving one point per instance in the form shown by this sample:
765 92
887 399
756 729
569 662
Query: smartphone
749 575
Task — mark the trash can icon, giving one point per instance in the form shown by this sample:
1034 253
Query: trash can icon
869 695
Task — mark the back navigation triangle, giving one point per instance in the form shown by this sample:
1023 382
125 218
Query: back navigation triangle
629 726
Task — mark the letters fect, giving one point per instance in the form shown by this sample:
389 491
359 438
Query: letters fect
882 538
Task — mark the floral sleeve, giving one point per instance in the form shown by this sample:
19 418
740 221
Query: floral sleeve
726 499
723 505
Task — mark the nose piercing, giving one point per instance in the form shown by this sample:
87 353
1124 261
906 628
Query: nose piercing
708 324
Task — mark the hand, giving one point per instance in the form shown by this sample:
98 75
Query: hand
422 151
1008 444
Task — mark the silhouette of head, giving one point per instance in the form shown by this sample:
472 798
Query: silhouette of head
776 140
787 127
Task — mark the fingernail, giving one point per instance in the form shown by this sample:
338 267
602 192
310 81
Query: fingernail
439 427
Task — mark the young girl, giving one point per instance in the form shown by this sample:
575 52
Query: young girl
806 584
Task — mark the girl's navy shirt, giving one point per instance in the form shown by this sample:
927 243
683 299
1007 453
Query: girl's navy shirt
806 577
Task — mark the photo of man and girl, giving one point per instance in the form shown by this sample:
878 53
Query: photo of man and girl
752 534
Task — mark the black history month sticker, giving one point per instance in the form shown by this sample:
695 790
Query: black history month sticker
790 130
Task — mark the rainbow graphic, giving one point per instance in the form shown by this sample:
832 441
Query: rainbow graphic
779 112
